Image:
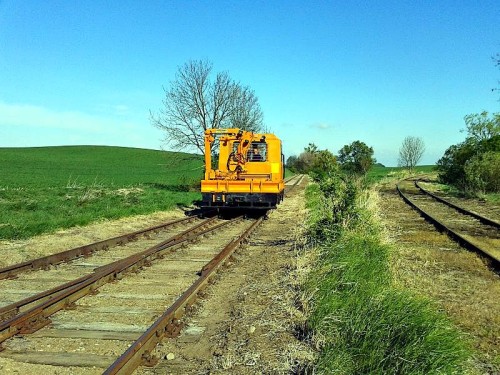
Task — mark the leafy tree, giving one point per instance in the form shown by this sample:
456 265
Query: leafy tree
291 163
313 161
305 162
452 163
457 165
482 172
324 165
411 152
481 127
194 102
311 148
356 157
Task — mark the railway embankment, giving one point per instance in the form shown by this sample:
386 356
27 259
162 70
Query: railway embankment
362 319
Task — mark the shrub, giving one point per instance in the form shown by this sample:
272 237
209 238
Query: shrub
482 172
483 135
337 206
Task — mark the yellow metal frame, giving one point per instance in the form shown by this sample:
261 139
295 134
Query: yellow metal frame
236 174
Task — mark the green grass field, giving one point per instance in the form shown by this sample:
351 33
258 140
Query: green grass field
377 173
46 188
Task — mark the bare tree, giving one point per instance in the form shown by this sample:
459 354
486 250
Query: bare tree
411 152
246 113
194 103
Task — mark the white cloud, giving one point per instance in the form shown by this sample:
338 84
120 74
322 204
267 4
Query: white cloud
321 125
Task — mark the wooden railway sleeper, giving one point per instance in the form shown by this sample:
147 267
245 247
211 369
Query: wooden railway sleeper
130 359
457 237
149 360
88 285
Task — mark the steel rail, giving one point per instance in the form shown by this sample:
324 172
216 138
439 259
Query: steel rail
461 240
299 180
9 311
296 182
86 250
169 325
38 316
462 210
292 178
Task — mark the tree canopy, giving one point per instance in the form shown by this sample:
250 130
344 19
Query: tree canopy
356 157
318 163
472 164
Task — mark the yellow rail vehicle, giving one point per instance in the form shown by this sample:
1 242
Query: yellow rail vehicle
249 172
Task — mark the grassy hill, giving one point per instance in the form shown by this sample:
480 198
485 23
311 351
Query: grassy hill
60 166
45 188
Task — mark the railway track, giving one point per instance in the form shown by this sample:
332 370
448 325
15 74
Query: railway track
471 230
292 182
113 315
25 283
86 250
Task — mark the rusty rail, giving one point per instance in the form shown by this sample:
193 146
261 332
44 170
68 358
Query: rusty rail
9 311
457 237
169 325
298 180
462 210
86 250
38 316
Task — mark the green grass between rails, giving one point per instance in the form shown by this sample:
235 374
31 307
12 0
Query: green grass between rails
364 324
46 188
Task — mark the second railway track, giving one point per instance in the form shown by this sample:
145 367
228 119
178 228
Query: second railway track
89 334
471 230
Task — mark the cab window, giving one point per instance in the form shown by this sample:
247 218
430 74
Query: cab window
257 152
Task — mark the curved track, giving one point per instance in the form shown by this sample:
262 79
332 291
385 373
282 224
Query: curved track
110 318
470 230
481 218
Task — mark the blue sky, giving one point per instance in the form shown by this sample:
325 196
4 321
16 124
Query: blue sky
328 72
